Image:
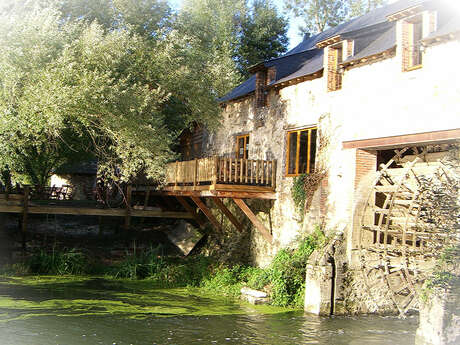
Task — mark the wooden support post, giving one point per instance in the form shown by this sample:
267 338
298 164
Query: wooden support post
253 218
216 175
195 172
273 174
146 200
129 189
147 196
207 212
25 211
191 210
228 213
175 173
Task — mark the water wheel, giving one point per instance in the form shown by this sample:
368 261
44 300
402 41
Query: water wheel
398 244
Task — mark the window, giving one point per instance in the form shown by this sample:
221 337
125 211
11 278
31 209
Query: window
412 52
242 146
301 151
334 59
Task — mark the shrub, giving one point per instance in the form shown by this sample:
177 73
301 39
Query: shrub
58 262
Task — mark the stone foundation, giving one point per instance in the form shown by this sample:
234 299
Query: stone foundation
440 318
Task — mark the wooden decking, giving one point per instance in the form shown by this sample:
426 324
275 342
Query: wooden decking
222 177
218 178
20 203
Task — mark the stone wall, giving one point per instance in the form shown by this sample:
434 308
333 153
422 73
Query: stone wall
440 318
376 100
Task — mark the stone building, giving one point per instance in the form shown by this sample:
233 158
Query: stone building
364 111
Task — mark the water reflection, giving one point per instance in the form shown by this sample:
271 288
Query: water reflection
104 312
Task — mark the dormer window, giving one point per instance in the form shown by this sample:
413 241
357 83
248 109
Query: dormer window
412 38
414 24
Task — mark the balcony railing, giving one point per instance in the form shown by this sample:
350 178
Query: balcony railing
216 172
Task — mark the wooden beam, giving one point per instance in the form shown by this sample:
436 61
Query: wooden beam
253 218
191 210
87 211
228 213
220 194
403 140
25 211
207 212
128 207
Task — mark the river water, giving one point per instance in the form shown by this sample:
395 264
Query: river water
67 311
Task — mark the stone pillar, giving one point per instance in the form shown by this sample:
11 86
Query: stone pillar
440 318
318 289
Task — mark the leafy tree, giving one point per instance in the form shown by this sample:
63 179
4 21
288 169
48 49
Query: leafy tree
319 15
232 35
360 7
213 28
117 82
70 89
263 35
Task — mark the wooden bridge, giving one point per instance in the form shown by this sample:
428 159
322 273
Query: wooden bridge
187 185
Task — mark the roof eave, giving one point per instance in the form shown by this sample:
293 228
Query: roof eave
406 12
328 41
363 59
441 38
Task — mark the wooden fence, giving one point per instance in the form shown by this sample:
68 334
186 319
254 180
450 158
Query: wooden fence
216 170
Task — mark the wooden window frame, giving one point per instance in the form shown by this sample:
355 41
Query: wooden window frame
245 137
297 158
411 50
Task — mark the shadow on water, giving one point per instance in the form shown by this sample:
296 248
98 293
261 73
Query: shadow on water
69 310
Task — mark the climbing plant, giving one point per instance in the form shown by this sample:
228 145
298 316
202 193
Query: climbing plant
305 185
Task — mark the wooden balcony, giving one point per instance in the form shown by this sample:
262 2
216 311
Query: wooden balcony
218 176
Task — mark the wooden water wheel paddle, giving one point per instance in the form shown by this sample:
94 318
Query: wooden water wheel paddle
398 247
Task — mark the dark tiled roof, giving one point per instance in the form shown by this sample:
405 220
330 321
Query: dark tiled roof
370 42
372 33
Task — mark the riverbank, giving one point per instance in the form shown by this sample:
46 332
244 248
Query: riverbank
283 280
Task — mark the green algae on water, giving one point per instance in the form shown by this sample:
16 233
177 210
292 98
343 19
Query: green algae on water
28 297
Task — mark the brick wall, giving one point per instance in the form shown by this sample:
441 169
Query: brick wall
271 74
405 42
334 78
366 162
261 81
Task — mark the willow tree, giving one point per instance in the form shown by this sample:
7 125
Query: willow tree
70 89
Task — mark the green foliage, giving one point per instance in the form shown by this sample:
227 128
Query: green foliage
298 193
263 35
444 273
162 271
58 262
224 280
319 15
232 35
287 271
